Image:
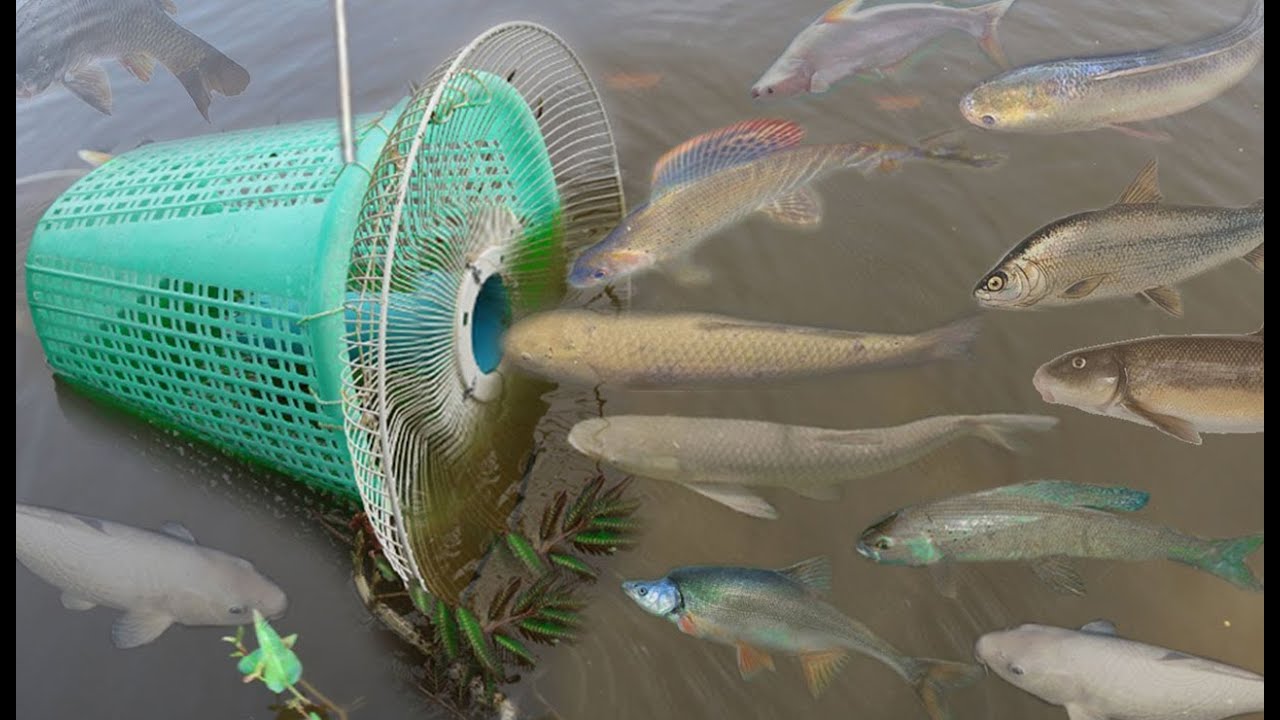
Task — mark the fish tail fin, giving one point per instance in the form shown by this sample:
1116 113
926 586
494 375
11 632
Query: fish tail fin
215 73
1226 559
1254 256
1006 430
951 342
988 41
933 679
209 72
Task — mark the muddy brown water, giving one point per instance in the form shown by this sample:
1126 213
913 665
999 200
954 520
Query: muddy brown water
897 253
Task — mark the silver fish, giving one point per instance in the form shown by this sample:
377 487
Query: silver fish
849 40
717 457
1097 675
1137 247
1104 92
157 579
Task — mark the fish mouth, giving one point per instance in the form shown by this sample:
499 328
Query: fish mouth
1041 382
866 551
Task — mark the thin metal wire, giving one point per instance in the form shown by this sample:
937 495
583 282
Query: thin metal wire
344 82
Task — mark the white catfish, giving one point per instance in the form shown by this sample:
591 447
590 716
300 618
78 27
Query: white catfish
1097 675
848 40
157 579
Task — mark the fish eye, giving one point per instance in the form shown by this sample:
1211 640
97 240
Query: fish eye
236 609
769 90
883 543
642 591
988 120
598 274
996 282
1078 362
1016 670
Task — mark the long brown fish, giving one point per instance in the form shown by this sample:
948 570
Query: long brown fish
1137 247
662 351
1182 385
61 41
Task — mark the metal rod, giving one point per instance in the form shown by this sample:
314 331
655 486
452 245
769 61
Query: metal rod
344 82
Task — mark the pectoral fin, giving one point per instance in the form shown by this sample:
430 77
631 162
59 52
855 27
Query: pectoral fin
820 667
75 602
740 499
1254 257
1080 712
178 530
1152 135
944 579
825 493
752 661
687 273
801 207
1100 627
1083 288
90 84
140 64
1057 572
1168 424
138 627
1165 298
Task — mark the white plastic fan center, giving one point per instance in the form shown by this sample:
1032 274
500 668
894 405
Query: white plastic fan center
480 385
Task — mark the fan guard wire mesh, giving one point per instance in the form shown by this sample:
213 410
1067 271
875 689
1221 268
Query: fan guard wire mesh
409 445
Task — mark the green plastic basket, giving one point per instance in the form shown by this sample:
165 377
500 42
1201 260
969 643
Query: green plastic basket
341 323
187 282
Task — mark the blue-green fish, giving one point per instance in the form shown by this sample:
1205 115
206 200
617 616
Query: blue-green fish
1098 92
759 611
1045 523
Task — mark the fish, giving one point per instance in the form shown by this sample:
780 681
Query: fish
1138 247
718 457
61 41
646 350
156 578
1182 385
1047 523
849 40
717 179
1096 674
759 611
94 158
1090 93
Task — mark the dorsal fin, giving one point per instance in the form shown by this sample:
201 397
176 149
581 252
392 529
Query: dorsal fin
1061 492
1145 187
1100 627
179 531
714 151
842 10
814 573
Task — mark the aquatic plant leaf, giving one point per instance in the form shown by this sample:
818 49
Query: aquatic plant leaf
545 631
422 600
525 553
614 522
564 617
600 541
384 569
586 499
615 492
476 639
574 564
277 664
502 598
446 630
618 508
551 515
515 648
